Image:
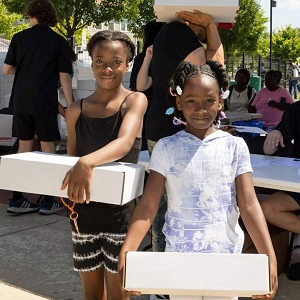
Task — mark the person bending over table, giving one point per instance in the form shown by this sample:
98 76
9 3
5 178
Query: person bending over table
280 208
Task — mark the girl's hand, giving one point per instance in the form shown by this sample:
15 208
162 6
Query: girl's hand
196 17
274 282
121 266
78 180
274 138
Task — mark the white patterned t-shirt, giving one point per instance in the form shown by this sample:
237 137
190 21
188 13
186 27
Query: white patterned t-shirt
202 214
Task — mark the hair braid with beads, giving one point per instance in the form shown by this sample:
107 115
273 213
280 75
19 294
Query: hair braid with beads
186 70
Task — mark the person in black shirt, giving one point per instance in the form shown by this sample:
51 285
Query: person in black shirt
280 208
150 32
39 58
175 42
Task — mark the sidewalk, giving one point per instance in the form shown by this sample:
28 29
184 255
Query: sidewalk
36 259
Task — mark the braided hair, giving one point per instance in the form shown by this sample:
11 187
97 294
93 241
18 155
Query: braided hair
110 35
186 70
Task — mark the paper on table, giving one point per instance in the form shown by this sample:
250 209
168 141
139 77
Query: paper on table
246 129
258 162
286 162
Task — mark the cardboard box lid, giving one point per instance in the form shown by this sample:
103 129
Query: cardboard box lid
206 274
43 173
221 11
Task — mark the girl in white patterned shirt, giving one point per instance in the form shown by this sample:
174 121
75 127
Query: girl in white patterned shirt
207 175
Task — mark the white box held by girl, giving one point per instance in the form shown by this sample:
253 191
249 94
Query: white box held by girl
221 10
41 173
201 274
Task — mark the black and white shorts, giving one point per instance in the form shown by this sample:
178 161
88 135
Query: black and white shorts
94 251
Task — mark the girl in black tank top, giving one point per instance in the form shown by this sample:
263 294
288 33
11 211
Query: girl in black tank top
102 128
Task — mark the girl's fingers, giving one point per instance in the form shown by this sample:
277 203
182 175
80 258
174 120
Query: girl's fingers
88 194
75 193
80 194
70 190
65 182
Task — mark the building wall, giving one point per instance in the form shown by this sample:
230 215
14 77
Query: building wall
112 25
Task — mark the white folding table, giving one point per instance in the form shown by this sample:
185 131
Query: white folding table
280 173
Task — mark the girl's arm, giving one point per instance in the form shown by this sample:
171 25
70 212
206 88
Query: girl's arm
143 80
142 218
61 110
78 179
255 223
72 115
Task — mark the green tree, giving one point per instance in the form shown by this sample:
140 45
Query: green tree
145 14
263 46
286 43
249 26
8 21
73 15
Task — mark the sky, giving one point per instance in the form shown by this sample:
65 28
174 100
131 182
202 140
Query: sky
287 12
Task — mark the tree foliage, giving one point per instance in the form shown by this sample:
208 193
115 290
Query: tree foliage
145 14
7 22
286 43
73 15
263 46
249 26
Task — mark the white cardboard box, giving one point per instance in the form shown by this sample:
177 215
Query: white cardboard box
6 125
205 274
6 138
40 173
224 11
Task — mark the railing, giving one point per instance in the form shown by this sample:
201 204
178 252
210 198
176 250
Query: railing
256 64
4 44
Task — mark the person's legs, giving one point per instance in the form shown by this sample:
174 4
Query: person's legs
158 238
24 127
278 210
93 285
290 87
88 260
48 147
113 288
48 205
25 146
295 88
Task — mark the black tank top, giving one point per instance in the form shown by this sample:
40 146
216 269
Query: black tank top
94 133
91 135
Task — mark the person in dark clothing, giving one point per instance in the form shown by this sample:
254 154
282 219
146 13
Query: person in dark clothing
175 42
150 32
38 57
102 128
280 207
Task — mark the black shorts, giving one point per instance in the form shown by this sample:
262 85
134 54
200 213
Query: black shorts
45 126
295 196
103 229
94 251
